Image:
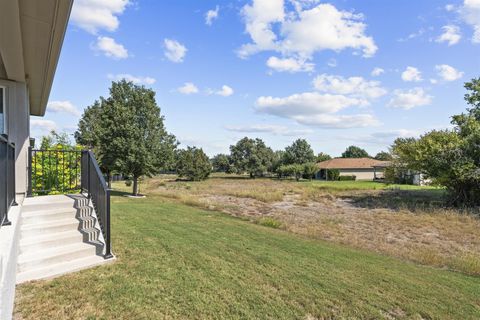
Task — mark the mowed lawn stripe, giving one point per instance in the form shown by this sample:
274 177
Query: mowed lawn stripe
180 262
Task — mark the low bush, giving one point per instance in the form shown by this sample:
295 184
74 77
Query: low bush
347 178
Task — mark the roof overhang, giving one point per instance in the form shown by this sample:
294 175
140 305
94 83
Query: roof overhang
31 37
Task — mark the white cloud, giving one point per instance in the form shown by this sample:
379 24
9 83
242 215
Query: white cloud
377 72
132 78
339 121
259 18
226 91
470 12
188 88
308 103
448 73
451 34
63 106
268 128
110 48
325 27
95 15
174 50
316 109
43 125
408 99
353 86
211 15
304 31
412 74
414 35
291 65
384 137
449 7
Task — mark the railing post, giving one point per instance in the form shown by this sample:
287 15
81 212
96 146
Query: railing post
14 203
88 175
30 170
108 250
6 205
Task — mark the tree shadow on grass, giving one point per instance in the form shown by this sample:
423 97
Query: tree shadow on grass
118 193
400 199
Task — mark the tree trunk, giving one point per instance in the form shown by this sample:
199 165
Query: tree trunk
135 186
109 177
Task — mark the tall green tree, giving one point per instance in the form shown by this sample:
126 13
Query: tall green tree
221 163
355 152
278 160
300 152
89 126
384 156
323 157
90 134
193 164
251 156
130 135
451 158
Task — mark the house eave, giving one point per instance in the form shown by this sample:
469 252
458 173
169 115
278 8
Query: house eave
31 37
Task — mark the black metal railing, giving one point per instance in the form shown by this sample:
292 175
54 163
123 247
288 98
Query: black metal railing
93 183
7 178
54 171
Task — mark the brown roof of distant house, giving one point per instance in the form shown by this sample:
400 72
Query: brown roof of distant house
351 163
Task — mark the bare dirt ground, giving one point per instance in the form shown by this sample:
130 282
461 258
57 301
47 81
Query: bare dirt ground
435 236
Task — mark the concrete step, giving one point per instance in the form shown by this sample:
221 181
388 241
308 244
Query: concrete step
87 222
91 235
50 256
49 227
50 217
48 206
58 236
60 268
47 199
36 213
50 240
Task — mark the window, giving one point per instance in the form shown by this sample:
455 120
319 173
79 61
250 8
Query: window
3 107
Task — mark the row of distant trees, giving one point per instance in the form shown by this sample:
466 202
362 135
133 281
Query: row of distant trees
254 157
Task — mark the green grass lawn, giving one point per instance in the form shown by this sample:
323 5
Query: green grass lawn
178 262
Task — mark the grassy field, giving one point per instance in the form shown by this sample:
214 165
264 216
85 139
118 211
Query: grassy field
407 222
179 262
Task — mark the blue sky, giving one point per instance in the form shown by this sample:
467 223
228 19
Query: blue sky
335 73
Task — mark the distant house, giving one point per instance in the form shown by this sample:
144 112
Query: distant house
361 168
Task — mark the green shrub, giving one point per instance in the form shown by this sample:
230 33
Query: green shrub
333 174
347 178
309 170
295 170
270 222
193 164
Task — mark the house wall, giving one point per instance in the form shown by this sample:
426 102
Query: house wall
361 174
18 129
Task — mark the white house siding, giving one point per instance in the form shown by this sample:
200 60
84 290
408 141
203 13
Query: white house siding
18 129
361 174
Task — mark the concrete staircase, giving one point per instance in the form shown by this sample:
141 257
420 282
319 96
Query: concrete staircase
58 236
